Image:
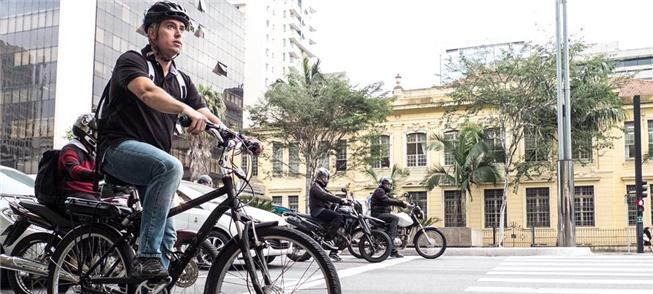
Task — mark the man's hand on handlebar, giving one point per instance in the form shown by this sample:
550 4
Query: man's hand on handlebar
197 121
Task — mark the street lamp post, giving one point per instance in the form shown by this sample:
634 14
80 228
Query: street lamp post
566 224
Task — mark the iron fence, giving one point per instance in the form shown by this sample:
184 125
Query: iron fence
517 236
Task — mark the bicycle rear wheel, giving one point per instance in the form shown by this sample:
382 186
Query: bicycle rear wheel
79 250
229 275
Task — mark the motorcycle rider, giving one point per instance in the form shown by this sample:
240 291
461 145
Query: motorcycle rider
77 163
205 180
320 201
381 206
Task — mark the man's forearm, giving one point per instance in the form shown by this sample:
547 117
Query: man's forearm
161 101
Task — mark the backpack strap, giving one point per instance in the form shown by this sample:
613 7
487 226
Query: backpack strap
150 69
182 85
180 79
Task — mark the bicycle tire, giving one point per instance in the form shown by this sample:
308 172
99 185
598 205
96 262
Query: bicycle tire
437 235
15 279
219 272
79 239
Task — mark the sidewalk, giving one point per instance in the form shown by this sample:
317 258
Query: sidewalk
496 251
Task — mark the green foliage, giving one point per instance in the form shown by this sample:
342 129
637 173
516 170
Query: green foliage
427 222
473 160
213 100
397 175
257 203
520 86
315 110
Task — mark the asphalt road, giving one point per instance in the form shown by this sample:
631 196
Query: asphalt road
599 273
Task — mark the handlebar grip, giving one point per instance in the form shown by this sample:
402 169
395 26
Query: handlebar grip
184 121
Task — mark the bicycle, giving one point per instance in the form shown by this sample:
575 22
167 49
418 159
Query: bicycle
96 257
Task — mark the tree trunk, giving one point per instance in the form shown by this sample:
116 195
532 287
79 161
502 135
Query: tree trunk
307 184
502 211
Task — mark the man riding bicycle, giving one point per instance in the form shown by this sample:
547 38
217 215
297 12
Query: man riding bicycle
135 140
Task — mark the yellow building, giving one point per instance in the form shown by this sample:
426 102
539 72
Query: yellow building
602 214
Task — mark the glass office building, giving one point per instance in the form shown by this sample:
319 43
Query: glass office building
28 63
213 56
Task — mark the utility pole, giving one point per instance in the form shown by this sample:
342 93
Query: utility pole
566 220
639 184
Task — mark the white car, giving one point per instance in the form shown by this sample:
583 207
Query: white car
15 186
225 229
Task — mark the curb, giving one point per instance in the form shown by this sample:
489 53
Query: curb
494 251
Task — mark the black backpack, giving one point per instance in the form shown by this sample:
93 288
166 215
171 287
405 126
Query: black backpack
47 178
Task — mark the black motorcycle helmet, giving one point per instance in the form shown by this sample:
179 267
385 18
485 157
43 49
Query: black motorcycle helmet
322 177
386 184
85 130
163 10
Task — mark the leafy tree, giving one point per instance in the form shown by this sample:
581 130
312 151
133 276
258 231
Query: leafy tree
315 110
473 161
518 88
201 145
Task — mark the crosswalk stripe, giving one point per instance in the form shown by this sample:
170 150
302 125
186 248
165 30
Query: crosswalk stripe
567 281
610 261
588 269
568 273
645 265
554 290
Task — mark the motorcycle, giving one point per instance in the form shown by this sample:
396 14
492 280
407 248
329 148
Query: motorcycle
373 245
28 262
429 242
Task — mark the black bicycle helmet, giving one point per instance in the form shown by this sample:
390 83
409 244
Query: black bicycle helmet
163 10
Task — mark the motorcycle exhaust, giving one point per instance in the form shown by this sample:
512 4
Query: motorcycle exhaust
29 266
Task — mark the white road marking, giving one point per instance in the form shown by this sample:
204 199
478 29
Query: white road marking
569 273
554 290
568 281
645 265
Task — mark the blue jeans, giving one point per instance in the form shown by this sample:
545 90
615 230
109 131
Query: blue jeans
157 175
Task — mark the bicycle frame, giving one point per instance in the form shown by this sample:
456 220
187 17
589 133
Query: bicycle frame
231 203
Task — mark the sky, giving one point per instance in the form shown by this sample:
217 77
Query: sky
374 40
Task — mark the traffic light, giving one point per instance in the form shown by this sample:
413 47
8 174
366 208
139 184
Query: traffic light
644 189
640 205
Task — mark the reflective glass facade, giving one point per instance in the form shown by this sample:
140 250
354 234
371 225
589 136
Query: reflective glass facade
28 67
28 62
220 39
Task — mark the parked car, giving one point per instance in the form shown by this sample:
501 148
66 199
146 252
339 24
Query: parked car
225 229
14 186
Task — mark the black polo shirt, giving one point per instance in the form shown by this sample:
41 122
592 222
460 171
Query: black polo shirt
129 117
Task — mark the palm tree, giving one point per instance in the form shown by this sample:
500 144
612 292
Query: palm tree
397 175
473 162
202 144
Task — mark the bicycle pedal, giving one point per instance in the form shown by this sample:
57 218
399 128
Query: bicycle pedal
153 286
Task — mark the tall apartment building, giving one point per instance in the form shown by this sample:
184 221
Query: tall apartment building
57 56
635 63
279 34
488 52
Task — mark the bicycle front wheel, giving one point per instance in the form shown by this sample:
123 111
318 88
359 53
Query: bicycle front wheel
229 274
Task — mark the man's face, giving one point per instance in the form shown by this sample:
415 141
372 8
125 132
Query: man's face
387 186
168 38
